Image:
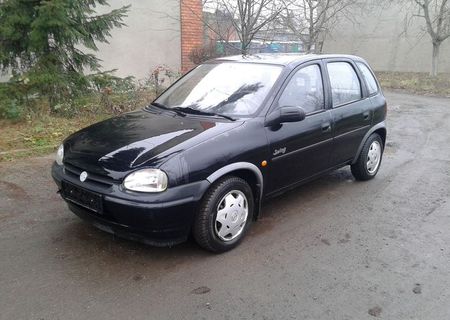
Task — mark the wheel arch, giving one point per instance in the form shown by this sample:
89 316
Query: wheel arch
380 129
382 133
250 173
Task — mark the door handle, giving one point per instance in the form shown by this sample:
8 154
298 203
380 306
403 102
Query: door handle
366 115
326 127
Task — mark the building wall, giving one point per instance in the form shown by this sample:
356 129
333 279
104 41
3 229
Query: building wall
152 38
389 38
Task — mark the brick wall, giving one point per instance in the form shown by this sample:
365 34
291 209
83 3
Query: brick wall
191 30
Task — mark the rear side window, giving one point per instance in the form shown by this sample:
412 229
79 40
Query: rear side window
345 85
305 90
368 76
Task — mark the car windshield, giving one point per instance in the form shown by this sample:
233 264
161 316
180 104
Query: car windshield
229 88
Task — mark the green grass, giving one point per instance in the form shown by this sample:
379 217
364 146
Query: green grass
39 137
40 132
417 83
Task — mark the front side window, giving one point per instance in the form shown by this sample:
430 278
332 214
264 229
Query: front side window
345 85
228 88
368 76
305 89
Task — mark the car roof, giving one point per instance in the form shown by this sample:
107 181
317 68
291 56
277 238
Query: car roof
283 59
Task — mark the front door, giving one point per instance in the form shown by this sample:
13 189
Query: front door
302 149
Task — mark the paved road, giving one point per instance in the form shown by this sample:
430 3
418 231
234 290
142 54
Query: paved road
333 249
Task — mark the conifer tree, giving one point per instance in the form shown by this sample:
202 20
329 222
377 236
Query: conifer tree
47 45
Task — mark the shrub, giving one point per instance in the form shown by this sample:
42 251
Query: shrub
161 78
202 54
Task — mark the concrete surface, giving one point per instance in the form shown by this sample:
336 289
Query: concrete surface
332 249
390 35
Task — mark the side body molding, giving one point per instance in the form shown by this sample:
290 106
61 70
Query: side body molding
378 126
242 166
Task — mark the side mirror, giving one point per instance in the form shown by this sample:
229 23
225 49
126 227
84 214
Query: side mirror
285 114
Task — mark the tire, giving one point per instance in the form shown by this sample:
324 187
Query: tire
369 161
217 216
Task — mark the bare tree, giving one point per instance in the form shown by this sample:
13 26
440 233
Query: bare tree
312 20
220 27
436 14
250 17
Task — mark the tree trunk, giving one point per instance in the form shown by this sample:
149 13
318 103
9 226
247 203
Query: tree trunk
318 47
435 61
244 49
308 46
244 45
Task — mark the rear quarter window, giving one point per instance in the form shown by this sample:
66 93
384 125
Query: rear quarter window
369 78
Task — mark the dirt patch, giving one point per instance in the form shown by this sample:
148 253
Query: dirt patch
418 83
12 190
201 290
375 311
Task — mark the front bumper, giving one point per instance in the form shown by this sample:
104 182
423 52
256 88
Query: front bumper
160 219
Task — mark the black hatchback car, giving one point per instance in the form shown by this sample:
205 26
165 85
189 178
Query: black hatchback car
229 134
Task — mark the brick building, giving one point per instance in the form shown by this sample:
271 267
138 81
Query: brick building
191 30
158 32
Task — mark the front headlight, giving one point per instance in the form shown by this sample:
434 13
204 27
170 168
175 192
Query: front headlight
146 180
60 155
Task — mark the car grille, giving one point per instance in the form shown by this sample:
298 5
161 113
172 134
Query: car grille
97 180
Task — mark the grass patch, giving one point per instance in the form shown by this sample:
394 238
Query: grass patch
417 83
39 137
40 133
32 124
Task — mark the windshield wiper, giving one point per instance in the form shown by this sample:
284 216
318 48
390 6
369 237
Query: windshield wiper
161 106
200 112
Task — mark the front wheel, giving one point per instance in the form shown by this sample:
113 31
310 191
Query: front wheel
369 160
224 215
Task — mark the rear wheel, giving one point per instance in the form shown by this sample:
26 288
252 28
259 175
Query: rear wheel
224 215
369 160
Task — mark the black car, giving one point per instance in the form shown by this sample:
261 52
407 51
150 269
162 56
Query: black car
229 134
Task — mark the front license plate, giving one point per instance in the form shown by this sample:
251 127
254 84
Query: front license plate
82 197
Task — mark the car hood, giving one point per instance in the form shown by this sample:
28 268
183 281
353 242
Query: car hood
138 139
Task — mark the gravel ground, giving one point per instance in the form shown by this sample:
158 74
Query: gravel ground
332 249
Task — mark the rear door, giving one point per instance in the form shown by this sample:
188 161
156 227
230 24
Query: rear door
351 109
301 149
